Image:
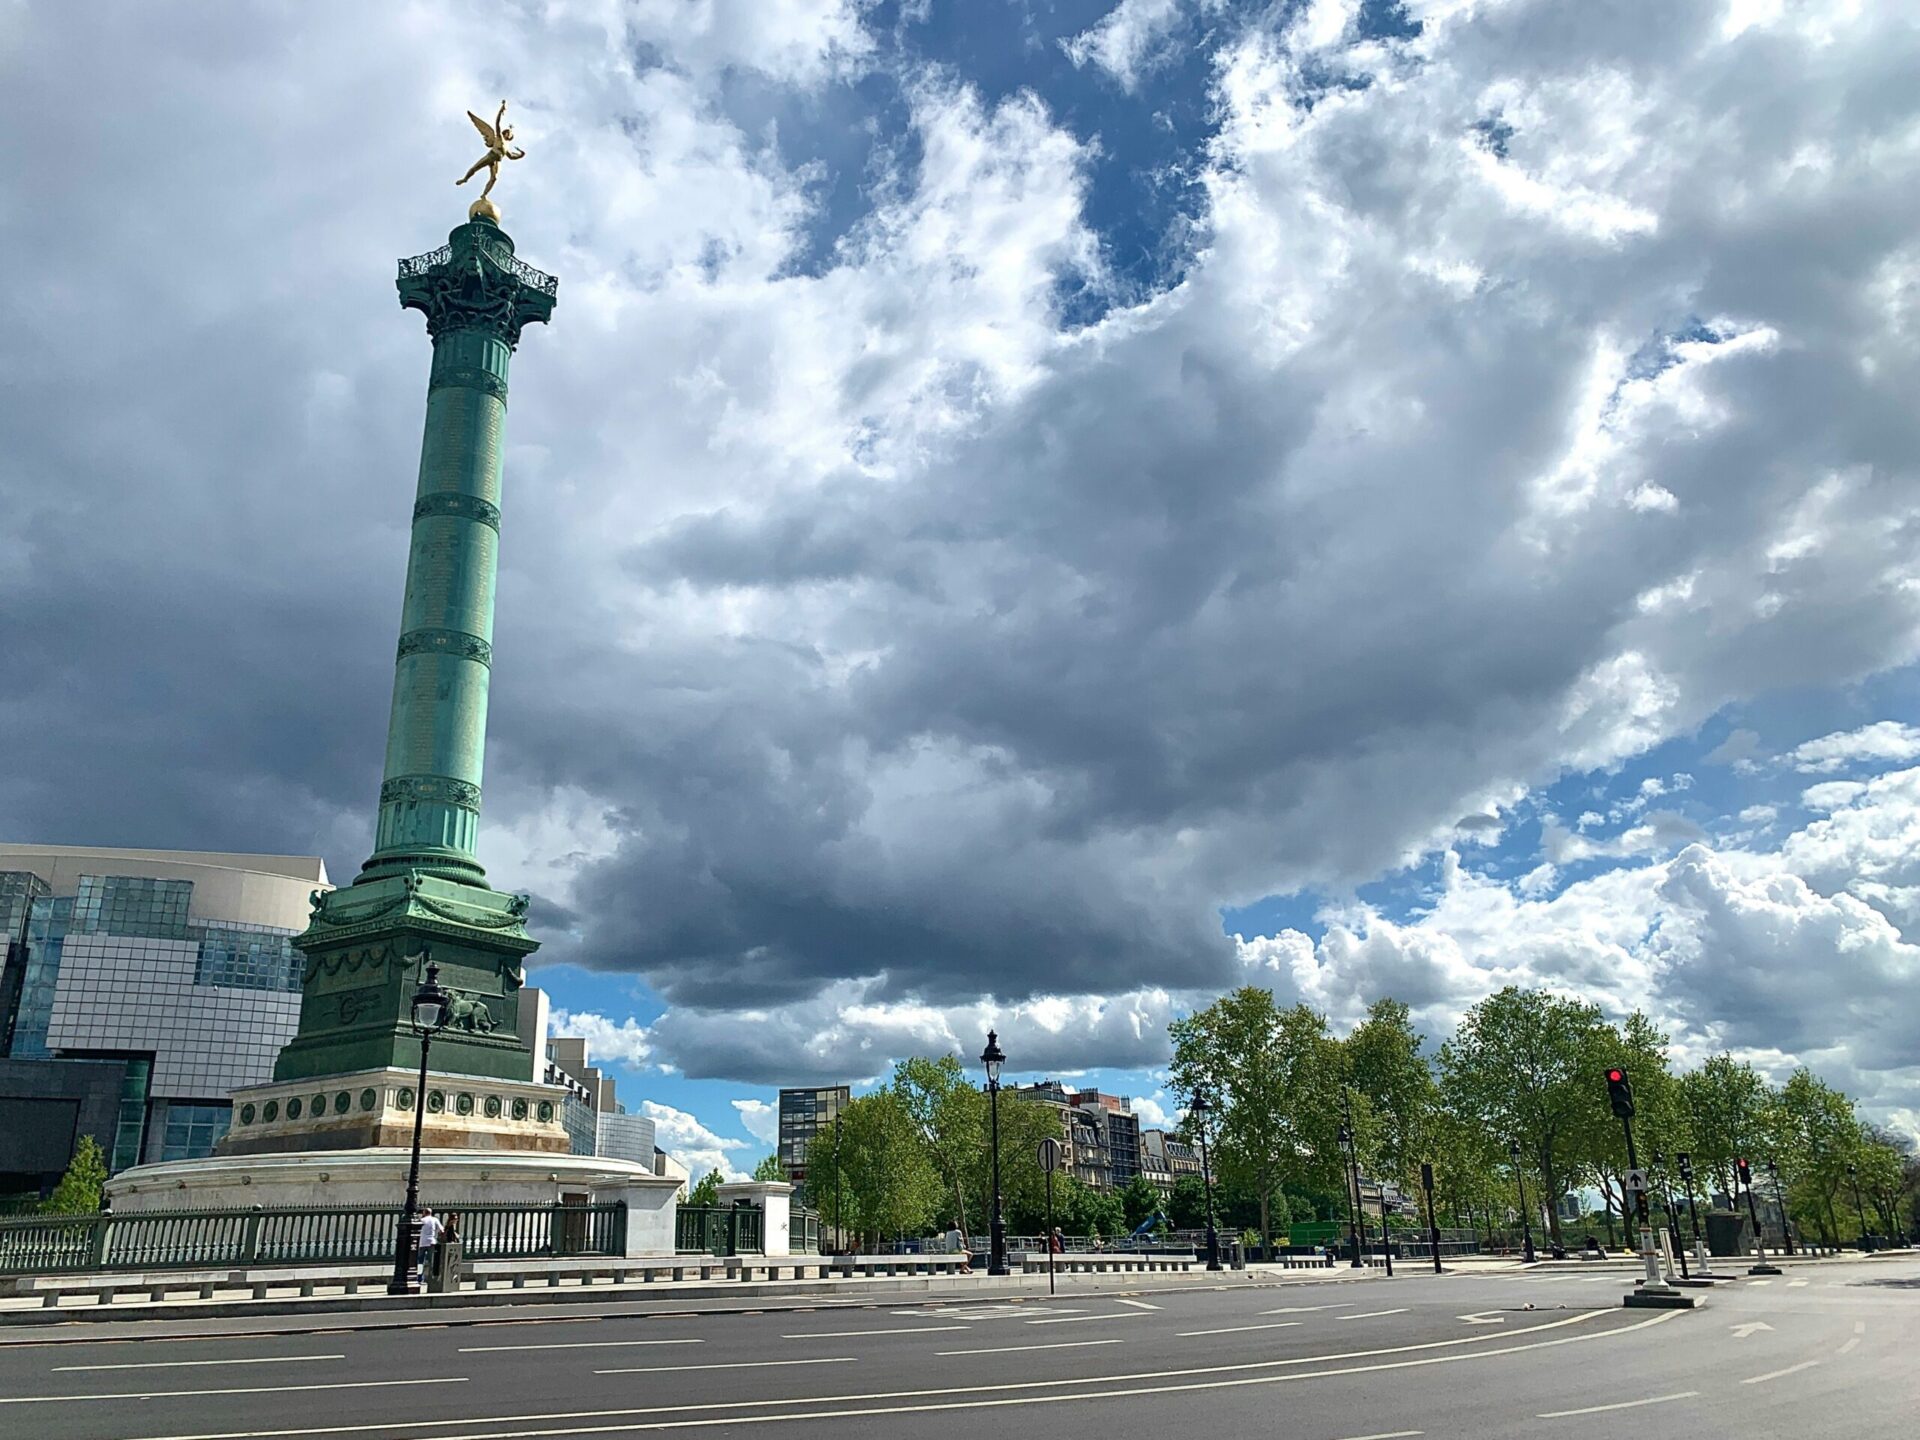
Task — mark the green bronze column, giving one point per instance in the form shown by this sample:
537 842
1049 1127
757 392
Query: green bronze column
476 296
422 893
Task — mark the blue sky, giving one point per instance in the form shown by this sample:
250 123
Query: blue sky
1027 514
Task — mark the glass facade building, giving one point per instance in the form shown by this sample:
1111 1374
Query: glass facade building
802 1113
179 966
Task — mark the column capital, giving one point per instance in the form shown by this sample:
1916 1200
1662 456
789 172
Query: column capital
476 282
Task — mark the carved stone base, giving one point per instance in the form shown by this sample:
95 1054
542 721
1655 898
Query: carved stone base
375 1108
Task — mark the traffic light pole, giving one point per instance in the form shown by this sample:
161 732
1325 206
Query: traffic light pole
1760 1265
1433 1225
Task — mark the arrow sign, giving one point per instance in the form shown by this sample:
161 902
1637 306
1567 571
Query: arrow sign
1484 1317
1743 1331
1637 1182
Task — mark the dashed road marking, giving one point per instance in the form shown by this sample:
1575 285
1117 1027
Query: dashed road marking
726 1365
1022 1349
1236 1329
881 1330
1138 1304
1776 1374
176 1364
574 1345
1619 1405
1076 1319
1372 1314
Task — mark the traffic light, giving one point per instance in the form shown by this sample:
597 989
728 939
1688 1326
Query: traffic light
1619 1093
1745 1171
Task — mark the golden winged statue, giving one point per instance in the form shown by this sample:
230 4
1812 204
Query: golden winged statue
498 136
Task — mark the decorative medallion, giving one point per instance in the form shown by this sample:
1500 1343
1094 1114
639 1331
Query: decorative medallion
405 1098
492 1107
369 1098
463 1104
246 1114
319 1106
342 1103
438 789
519 1109
272 1111
546 1111
436 1102
293 1108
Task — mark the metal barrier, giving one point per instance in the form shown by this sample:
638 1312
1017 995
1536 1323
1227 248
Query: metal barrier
804 1232
182 1239
717 1230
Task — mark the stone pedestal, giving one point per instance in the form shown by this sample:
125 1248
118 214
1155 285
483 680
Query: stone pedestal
774 1200
375 1109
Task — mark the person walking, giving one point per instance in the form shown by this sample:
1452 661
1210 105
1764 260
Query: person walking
1055 1243
958 1243
429 1237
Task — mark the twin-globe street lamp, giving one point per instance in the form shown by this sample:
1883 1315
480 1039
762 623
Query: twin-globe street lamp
993 1059
431 1005
1199 1108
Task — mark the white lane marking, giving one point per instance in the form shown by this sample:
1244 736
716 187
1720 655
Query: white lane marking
1308 1309
882 1330
1372 1314
1056 1398
1483 1317
574 1345
367 1428
1621 1405
1741 1332
1760 1282
1776 1374
176 1364
1795 1284
1076 1319
1386 1435
247 1390
1137 1304
1236 1329
1848 1346
726 1365
1022 1349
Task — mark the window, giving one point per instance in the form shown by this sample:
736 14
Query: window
192 1129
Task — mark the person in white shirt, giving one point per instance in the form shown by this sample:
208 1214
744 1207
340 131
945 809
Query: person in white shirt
429 1237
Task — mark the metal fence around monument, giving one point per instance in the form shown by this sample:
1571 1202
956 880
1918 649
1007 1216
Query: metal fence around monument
717 1230
185 1239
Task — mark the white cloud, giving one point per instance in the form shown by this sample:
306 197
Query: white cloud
1883 741
626 1042
1128 40
683 1136
761 1119
1153 1112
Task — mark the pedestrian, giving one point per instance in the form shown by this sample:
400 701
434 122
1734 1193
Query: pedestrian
429 1237
1054 1243
958 1243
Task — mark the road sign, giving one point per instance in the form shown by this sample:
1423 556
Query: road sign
1050 1155
1637 1182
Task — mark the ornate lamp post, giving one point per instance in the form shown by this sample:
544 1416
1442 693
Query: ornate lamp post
1356 1232
430 1006
1780 1199
992 1058
1526 1222
1853 1179
1199 1109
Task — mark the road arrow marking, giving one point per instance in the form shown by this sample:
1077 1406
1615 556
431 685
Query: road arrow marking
1484 1317
1743 1331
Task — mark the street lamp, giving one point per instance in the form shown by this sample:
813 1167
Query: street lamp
993 1059
430 1008
1520 1183
1853 1179
1198 1109
1780 1199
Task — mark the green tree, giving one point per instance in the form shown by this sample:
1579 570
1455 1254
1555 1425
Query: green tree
770 1168
79 1190
1384 1065
707 1192
1024 1123
1815 1135
1725 1103
950 1114
1139 1198
1526 1066
1275 1078
886 1183
1187 1204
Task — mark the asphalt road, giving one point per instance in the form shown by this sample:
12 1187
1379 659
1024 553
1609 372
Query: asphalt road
1824 1350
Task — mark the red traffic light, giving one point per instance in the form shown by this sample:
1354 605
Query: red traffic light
1616 1075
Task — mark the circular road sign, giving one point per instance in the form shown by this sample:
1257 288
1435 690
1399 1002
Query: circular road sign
1050 1153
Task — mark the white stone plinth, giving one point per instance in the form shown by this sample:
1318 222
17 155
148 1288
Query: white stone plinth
449 1179
774 1200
